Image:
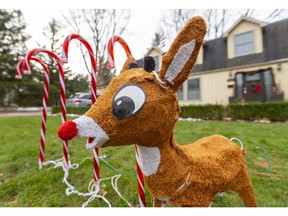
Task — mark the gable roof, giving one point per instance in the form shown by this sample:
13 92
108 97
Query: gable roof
275 46
241 19
154 48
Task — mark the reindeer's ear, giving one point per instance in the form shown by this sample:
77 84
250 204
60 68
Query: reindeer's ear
182 54
128 61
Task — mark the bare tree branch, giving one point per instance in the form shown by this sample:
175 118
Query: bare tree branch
100 24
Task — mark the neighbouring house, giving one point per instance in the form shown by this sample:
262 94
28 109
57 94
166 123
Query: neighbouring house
249 63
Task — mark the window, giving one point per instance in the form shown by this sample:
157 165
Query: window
87 96
244 43
180 93
252 77
268 82
193 89
157 66
239 83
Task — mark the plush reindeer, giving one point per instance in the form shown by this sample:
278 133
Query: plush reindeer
140 107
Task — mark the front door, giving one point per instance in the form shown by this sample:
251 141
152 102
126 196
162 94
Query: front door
255 86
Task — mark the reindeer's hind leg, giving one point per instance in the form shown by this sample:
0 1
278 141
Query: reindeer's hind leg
244 188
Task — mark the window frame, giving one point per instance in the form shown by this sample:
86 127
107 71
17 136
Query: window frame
181 89
199 89
244 43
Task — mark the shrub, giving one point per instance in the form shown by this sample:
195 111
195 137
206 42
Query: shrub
70 110
209 111
274 111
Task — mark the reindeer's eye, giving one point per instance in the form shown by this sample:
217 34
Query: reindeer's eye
128 100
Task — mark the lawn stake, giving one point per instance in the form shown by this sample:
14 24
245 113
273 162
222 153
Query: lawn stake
111 65
93 89
18 75
111 42
28 57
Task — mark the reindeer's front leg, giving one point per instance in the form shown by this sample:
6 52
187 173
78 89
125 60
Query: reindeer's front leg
160 202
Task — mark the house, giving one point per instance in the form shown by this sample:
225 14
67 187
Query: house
249 63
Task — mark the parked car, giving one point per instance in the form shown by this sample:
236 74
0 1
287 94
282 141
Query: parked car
79 99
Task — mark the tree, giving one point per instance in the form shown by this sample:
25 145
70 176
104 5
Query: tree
98 25
73 82
78 83
12 42
159 40
12 47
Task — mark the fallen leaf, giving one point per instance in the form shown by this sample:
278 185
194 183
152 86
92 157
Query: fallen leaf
270 174
102 192
262 162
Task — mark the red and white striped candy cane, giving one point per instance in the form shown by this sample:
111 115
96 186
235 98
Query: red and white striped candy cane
62 93
19 69
111 64
111 42
20 66
93 88
140 179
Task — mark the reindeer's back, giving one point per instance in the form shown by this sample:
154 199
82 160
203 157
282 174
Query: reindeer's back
214 160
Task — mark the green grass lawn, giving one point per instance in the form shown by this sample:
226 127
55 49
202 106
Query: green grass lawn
23 184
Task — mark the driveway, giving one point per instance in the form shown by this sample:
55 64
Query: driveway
29 111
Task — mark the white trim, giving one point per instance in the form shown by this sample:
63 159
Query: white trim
238 67
248 19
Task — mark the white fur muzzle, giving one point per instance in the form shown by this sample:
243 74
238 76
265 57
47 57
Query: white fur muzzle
87 127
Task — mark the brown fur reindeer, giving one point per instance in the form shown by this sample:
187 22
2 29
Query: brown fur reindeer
140 106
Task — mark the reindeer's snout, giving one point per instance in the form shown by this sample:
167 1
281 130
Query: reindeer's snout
83 126
68 130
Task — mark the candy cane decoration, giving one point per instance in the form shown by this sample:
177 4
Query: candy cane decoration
140 179
93 89
111 42
111 64
62 94
21 65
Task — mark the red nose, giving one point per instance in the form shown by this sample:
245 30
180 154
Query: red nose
67 130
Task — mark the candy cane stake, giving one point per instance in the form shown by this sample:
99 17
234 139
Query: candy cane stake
20 66
64 59
111 42
62 94
19 69
140 179
110 65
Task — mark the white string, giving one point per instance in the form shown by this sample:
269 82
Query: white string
242 146
93 190
114 185
58 163
186 181
161 83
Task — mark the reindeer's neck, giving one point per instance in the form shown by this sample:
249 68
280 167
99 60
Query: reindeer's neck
164 166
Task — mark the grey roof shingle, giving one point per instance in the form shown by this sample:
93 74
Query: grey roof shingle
275 46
